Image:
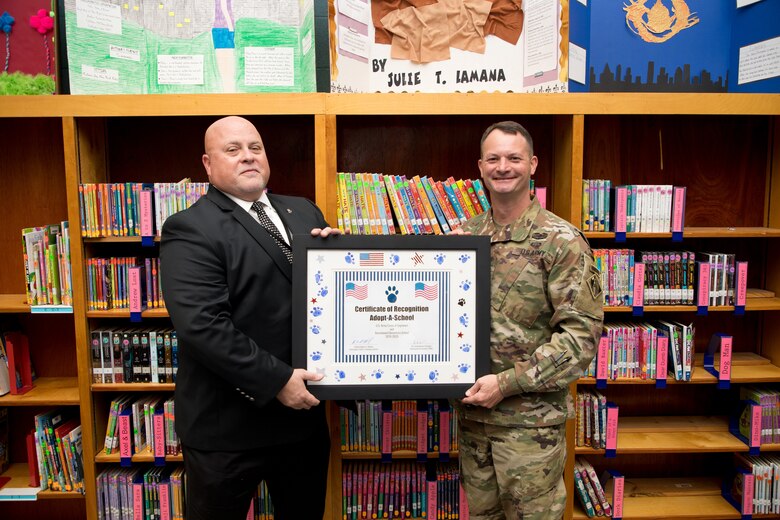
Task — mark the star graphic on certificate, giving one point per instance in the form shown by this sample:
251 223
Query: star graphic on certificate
398 376
460 334
324 341
320 259
362 377
455 376
314 300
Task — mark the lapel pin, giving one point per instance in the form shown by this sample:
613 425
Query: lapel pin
289 210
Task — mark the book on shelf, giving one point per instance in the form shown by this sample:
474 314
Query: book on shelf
57 438
373 203
644 208
120 209
46 255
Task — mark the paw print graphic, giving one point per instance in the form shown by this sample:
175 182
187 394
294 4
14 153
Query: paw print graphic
464 258
349 258
466 347
315 356
392 293
315 329
322 292
433 375
340 375
316 311
464 320
378 373
461 301
318 277
439 258
394 259
410 375
463 368
465 285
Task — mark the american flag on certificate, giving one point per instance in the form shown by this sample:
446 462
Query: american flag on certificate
372 259
429 292
359 292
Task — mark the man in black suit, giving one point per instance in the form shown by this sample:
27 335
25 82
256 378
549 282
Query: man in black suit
243 413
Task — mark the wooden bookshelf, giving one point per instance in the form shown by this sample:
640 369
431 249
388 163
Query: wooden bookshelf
102 456
82 139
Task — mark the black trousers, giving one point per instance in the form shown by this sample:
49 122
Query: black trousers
220 484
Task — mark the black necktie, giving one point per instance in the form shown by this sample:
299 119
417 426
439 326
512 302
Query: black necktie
272 230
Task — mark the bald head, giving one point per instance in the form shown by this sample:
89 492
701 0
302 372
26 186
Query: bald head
235 158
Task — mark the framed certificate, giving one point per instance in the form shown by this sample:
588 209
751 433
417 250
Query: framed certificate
391 317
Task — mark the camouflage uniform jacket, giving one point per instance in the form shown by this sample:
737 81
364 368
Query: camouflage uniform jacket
546 316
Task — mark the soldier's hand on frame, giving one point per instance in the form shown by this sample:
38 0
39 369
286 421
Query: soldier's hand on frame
485 392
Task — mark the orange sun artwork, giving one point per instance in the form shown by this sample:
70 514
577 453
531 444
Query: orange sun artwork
658 23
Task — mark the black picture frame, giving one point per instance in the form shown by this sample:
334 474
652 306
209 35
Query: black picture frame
442 269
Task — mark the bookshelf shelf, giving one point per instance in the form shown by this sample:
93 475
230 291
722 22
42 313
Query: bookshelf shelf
13 303
20 478
753 304
120 313
133 387
746 367
662 434
704 507
116 240
388 104
400 455
47 391
699 232
138 457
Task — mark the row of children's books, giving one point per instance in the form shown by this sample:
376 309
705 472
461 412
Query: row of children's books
647 208
590 490
158 493
141 492
110 284
47 267
134 355
401 490
632 350
55 453
149 422
671 277
765 473
363 429
591 413
378 204
132 208
769 401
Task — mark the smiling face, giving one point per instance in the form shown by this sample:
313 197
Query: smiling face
235 158
506 167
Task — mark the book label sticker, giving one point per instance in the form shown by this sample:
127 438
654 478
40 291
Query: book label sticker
741 291
422 433
621 197
612 428
602 358
703 297
617 497
662 351
725 358
387 432
639 284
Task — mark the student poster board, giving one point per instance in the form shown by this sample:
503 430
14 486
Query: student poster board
205 46
675 46
448 45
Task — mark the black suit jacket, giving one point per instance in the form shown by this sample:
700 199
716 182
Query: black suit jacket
227 287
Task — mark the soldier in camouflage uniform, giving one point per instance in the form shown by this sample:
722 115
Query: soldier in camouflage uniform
546 313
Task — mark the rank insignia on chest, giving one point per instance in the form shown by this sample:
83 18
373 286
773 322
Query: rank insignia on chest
594 284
